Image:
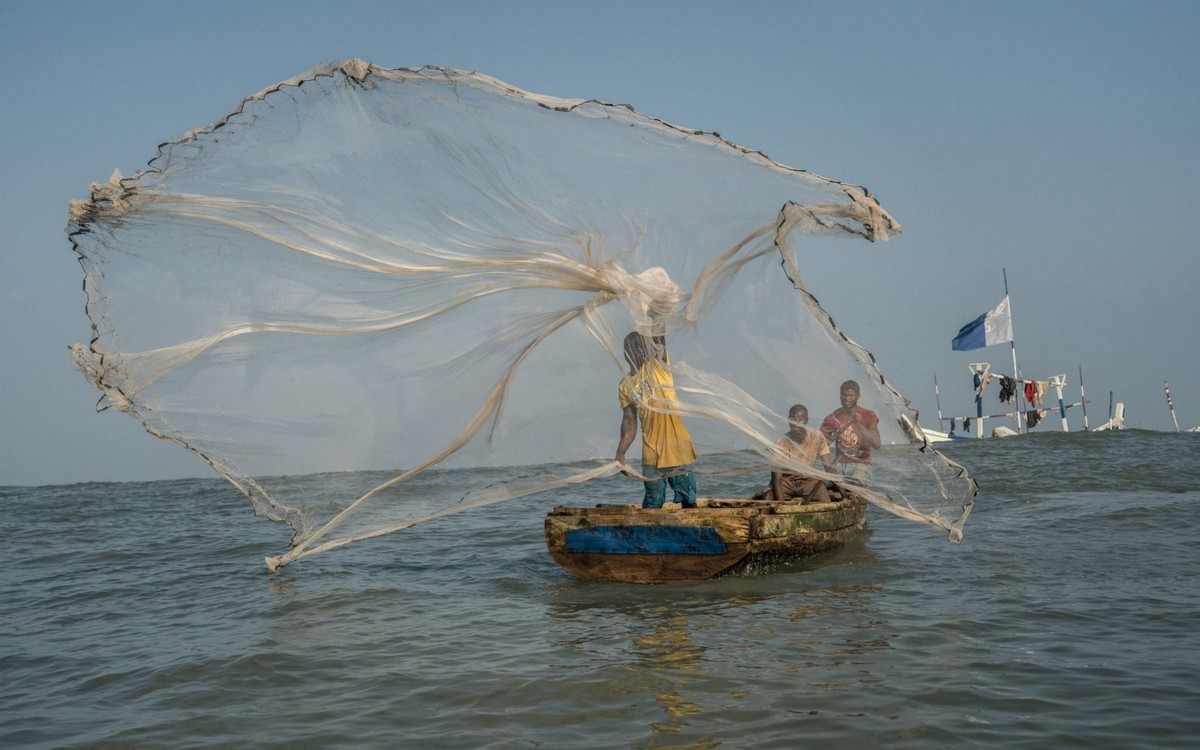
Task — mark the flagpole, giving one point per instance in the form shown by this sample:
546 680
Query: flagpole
1013 343
993 327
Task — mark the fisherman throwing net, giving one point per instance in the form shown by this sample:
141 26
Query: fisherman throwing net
363 274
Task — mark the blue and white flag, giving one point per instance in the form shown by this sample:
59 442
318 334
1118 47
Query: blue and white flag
993 327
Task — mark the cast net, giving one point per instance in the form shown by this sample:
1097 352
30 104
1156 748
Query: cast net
362 274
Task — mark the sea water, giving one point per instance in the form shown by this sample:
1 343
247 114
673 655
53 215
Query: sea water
141 615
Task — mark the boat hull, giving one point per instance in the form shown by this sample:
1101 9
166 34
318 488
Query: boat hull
636 545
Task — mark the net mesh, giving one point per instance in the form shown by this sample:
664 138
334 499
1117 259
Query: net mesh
363 273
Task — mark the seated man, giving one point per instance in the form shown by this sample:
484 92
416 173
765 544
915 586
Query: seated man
803 446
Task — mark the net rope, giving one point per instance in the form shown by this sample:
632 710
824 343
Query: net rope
362 276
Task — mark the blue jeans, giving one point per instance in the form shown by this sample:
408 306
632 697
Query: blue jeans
682 483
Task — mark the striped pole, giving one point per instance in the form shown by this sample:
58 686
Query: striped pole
1171 406
1058 381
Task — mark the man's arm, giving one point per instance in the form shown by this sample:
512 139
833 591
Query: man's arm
827 462
823 453
870 433
629 425
828 425
777 486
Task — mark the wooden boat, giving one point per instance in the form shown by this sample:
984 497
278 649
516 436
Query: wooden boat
629 543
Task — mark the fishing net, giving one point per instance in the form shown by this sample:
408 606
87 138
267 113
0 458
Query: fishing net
363 274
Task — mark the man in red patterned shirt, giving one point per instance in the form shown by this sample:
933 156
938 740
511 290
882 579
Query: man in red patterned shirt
854 430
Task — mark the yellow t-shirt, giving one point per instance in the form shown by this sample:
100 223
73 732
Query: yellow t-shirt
805 453
666 442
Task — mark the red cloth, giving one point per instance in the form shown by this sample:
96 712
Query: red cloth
850 448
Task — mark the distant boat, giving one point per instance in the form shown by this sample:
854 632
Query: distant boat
923 435
1025 417
635 545
995 327
934 436
1117 422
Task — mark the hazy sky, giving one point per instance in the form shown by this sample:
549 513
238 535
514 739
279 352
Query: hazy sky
1056 140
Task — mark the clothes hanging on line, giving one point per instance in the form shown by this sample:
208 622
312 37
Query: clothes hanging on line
1008 389
981 383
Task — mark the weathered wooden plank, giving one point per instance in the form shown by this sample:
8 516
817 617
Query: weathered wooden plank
791 524
733 525
803 546
648 568
628 543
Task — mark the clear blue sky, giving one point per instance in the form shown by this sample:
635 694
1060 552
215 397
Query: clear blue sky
1057 140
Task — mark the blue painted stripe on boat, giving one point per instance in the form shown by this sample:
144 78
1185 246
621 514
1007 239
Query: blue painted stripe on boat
647 540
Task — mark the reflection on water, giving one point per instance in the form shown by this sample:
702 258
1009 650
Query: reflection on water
667 663
782 640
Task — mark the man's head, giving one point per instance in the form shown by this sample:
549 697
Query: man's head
798 415
849 394
636 351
